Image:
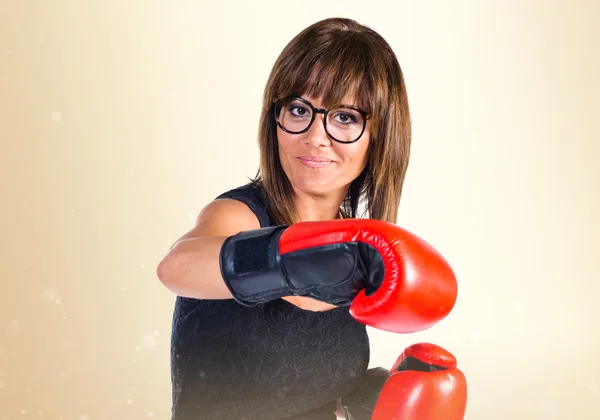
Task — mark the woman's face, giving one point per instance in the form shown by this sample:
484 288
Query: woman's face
317 165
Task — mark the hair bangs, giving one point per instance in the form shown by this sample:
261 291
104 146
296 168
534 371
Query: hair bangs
338 74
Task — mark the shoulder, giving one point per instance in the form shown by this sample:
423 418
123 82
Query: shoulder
237 210
223 216
250 195
250 191
228 212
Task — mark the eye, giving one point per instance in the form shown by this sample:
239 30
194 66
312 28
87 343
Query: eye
345 117
298 110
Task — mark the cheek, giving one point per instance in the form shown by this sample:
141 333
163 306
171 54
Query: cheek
286 141
284 145
357 155
365 153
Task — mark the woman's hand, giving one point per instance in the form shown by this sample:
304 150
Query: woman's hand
309 304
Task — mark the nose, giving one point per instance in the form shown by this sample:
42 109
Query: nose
317 136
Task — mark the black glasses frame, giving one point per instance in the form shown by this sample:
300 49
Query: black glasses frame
323 111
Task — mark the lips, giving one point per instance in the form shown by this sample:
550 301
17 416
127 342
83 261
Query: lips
315 161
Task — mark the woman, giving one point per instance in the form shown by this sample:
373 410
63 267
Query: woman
334 136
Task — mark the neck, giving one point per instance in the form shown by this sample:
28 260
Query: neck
317 208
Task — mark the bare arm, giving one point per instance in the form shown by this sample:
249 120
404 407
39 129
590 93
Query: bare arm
191 267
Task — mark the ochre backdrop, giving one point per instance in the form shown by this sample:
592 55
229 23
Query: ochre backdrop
120 120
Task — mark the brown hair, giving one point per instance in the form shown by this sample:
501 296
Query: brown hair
330 59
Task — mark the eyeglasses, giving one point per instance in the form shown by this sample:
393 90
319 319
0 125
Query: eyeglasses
344 124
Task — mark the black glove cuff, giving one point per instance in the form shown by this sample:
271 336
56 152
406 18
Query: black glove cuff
250 266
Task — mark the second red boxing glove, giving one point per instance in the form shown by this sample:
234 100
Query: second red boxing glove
392 279
424 383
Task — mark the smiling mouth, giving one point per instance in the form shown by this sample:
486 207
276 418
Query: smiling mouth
315 162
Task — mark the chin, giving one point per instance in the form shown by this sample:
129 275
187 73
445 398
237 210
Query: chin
316 187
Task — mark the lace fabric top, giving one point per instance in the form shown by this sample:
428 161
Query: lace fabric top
270 362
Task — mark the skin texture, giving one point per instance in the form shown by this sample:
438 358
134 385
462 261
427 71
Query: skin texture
319 191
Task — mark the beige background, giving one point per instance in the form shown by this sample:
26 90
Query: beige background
119 120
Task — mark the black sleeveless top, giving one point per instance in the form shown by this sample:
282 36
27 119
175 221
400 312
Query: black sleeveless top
270 362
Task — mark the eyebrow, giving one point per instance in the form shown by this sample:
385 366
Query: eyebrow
341 104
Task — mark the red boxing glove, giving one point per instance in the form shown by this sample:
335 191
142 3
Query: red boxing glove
414 286
424 383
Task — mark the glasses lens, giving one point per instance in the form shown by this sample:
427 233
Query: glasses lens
294 115
345 124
